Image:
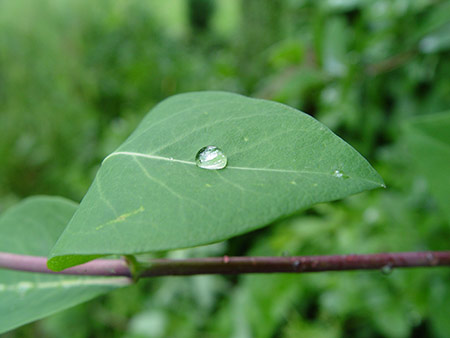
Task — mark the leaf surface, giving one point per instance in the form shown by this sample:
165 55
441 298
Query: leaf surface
149 195
31 228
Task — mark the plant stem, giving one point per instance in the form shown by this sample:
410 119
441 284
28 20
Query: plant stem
99 267
235 265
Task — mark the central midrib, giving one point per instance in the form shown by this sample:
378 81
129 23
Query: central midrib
161 158
80 282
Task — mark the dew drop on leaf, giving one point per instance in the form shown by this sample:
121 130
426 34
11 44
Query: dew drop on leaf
338 173
211 157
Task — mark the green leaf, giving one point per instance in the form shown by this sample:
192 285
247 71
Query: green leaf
437 41
334 50
149 195
31 228
428 139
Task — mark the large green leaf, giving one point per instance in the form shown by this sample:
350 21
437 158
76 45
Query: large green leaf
428 138
149 195
31 228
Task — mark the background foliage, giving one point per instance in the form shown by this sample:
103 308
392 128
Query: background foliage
77 76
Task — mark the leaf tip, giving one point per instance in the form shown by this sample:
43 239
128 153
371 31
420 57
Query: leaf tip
59 263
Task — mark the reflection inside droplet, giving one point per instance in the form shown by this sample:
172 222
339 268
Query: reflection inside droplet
211 157
338 173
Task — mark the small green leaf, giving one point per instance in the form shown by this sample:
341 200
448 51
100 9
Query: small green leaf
428 139
150 195
31 228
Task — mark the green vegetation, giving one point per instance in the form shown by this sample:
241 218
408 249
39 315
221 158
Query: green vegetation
31 228
76 78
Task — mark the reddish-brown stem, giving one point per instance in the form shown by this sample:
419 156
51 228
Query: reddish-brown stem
235 265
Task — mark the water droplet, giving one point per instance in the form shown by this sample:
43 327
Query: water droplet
432 259
387 269
339 174
211 157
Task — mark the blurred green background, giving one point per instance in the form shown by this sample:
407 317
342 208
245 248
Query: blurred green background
77 76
